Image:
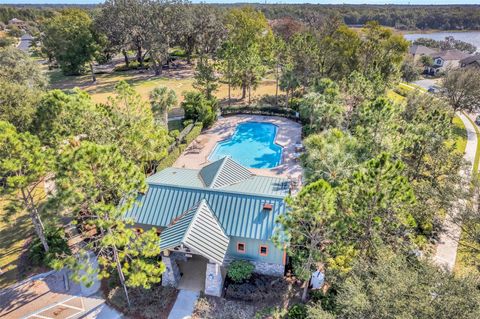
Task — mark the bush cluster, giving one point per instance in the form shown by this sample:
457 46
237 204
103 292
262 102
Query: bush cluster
240 270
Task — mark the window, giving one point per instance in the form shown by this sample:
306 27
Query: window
241 247
263 250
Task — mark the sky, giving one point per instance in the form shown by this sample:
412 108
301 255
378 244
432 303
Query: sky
426 2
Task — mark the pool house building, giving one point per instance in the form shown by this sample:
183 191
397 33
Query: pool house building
209 217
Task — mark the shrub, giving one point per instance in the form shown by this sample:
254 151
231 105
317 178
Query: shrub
240 270
6 42
327 300
133 65
297 311
198 108
58 246
174 133
15 32
176 151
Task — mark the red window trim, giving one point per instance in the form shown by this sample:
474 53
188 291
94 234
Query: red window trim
244 247
260 250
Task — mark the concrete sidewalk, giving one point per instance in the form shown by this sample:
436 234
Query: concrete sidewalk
184 305
446 252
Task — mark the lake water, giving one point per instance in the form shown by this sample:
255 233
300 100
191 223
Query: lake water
472 37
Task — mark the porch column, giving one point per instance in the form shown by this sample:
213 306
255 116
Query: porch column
171 276
213 280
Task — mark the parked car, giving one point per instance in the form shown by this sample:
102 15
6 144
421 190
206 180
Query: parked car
477 120
434 89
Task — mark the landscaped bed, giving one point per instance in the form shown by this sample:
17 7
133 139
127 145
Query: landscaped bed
259 297
145 303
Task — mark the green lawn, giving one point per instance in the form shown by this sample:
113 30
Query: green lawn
459 134
462 265
144 83
14 232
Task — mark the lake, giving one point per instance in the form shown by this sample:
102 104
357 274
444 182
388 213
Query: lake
472 37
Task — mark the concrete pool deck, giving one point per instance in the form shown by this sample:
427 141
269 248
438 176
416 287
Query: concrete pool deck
289 133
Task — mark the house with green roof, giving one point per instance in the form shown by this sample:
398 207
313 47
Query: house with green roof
221 212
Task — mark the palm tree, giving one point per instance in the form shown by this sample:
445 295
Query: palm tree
162 100
288 82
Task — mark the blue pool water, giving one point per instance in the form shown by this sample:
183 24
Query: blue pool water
252 145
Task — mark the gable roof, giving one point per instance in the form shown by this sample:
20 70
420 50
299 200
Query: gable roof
199 230
450 55
237 207
420 49
223 172
191 178
471 59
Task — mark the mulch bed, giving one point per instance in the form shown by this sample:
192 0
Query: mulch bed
145 303
255 298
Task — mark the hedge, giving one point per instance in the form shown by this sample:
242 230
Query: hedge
187 135
261 110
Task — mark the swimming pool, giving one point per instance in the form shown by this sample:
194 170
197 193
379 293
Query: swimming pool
252 145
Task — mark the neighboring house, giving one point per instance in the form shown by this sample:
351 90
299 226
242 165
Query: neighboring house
17 23
444 60
471 61
417 51
221 212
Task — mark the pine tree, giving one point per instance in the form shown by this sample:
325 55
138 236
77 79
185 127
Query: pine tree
24 165
96 184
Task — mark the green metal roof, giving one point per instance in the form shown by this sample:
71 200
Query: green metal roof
253 184
223 172
238 207
199 230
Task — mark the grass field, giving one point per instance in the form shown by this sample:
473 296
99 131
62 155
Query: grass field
14 233
179 81
459 134
462 264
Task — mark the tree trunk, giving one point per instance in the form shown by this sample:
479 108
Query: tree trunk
276 85
120 274
305 291
94 78
125 56
139 55
286 97
165 118
229 92
157 67
35 217
244 90
249 94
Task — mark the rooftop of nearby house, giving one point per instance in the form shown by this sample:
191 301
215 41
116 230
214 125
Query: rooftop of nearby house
246 205
450 55
15 20
471 59
416 49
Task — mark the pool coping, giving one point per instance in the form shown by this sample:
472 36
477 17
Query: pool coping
288 134
280 162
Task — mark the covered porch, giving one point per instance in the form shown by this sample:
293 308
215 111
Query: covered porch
194 247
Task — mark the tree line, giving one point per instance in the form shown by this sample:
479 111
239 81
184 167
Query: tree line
411 17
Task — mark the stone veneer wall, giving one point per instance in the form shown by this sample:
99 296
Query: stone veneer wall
171 276
213 280
268 268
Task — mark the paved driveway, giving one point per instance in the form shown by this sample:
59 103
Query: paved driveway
427 83
47 297
25 42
